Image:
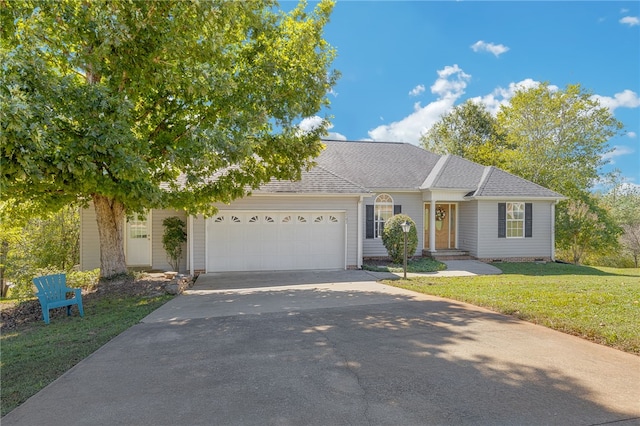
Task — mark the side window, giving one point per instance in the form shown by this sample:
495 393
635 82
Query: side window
378 213
515 220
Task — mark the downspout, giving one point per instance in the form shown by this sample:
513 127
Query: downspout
360 232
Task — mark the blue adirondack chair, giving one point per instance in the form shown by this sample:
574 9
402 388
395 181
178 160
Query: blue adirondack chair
52 293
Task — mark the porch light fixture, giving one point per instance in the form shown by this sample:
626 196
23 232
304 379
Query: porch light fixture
405 230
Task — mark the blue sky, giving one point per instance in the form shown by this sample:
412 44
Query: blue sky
404 63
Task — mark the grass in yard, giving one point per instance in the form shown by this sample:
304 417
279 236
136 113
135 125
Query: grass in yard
36 354
596 303
417 265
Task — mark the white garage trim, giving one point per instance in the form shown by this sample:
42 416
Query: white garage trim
269 240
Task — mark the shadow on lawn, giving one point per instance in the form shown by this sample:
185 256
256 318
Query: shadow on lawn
557 268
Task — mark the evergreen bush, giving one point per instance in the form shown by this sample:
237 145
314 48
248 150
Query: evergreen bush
393 238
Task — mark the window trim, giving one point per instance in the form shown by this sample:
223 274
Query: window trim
517 223
382 201
504 231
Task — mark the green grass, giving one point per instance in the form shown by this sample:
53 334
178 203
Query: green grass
596 303
418 265
36 354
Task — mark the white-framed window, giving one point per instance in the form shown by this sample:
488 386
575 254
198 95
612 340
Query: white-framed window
383 210
515 220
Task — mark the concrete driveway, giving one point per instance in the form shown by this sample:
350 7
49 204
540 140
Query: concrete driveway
336 348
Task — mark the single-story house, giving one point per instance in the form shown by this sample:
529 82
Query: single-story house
332 218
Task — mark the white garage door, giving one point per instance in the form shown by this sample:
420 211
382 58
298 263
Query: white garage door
274 241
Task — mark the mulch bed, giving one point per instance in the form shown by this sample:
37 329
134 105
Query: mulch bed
14 315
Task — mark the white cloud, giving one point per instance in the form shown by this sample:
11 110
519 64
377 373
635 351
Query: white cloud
496 49
618 151
309 124
630 21
625 99
335 136
449 87
417 90
501 96
628 187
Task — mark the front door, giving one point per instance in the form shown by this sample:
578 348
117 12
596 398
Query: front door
445 226
138 241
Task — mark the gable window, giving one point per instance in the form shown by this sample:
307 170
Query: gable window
515 220
378 214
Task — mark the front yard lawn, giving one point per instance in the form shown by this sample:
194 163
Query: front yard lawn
34 354
596 303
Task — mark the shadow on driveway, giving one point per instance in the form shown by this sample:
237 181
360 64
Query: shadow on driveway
339 352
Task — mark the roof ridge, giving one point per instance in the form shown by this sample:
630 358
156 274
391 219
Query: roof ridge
435 173
486 173
363 141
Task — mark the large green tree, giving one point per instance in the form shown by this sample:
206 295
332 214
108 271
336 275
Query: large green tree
133 105
583 226
557 137
469 131
623 201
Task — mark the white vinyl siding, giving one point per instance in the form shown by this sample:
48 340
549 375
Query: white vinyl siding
468 227
89 240
198 235
412 206
492 247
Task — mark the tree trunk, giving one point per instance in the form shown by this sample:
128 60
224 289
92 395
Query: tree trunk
4 248
110 218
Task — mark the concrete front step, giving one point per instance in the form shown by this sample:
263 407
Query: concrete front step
447 254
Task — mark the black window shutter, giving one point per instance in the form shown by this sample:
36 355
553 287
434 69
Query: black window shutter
397 209
369 221
528 220
502 220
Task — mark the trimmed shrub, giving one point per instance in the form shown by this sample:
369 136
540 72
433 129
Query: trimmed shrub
175 235
393 238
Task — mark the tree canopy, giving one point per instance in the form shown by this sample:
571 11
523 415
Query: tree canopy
557 137
134 105
468 131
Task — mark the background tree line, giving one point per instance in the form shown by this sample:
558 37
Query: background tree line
557 139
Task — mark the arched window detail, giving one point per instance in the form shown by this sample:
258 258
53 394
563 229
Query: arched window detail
383 210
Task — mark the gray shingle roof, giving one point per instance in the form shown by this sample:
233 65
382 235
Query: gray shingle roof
378 165
403 166
346 167
316 180
498 183
453 172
